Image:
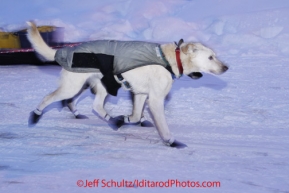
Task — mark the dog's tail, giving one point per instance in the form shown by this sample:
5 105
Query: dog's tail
38 43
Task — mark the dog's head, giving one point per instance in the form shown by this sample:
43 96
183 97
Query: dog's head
197 58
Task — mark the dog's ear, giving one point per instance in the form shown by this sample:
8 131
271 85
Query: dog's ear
189 48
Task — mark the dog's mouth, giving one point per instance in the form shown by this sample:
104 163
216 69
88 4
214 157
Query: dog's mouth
195 75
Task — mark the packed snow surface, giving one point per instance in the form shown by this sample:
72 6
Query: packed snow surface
235 125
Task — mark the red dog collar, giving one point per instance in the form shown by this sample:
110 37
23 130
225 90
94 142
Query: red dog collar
178 57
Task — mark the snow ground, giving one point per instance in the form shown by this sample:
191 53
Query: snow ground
235 125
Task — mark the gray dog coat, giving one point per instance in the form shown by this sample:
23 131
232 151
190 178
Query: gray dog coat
111 58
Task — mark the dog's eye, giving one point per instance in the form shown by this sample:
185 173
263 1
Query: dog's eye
211 58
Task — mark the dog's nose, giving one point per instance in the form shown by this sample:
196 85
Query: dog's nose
225 68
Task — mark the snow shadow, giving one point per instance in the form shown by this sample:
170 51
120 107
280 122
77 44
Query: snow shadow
208 80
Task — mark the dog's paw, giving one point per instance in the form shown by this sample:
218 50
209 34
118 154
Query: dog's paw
146 123
178 145
80 116
33 119
116 122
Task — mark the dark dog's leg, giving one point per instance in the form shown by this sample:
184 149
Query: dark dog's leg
137 116
98 105
72 107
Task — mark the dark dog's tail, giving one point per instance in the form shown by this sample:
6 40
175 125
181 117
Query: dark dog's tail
38 43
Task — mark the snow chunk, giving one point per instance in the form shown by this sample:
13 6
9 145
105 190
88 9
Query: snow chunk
269 32
219 27
170 29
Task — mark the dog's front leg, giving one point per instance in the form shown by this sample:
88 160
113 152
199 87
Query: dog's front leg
156 105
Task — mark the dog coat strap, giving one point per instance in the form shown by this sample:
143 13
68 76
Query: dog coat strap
110 83
123 81
168 67
162 55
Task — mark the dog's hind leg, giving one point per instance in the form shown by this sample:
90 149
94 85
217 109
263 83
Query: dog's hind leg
137 113
98 103
70 86
70 103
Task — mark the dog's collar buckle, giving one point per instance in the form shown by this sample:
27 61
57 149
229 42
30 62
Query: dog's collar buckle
178 56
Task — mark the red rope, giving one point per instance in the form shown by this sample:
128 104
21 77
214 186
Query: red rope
32 50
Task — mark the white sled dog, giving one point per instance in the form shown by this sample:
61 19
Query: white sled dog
152 81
